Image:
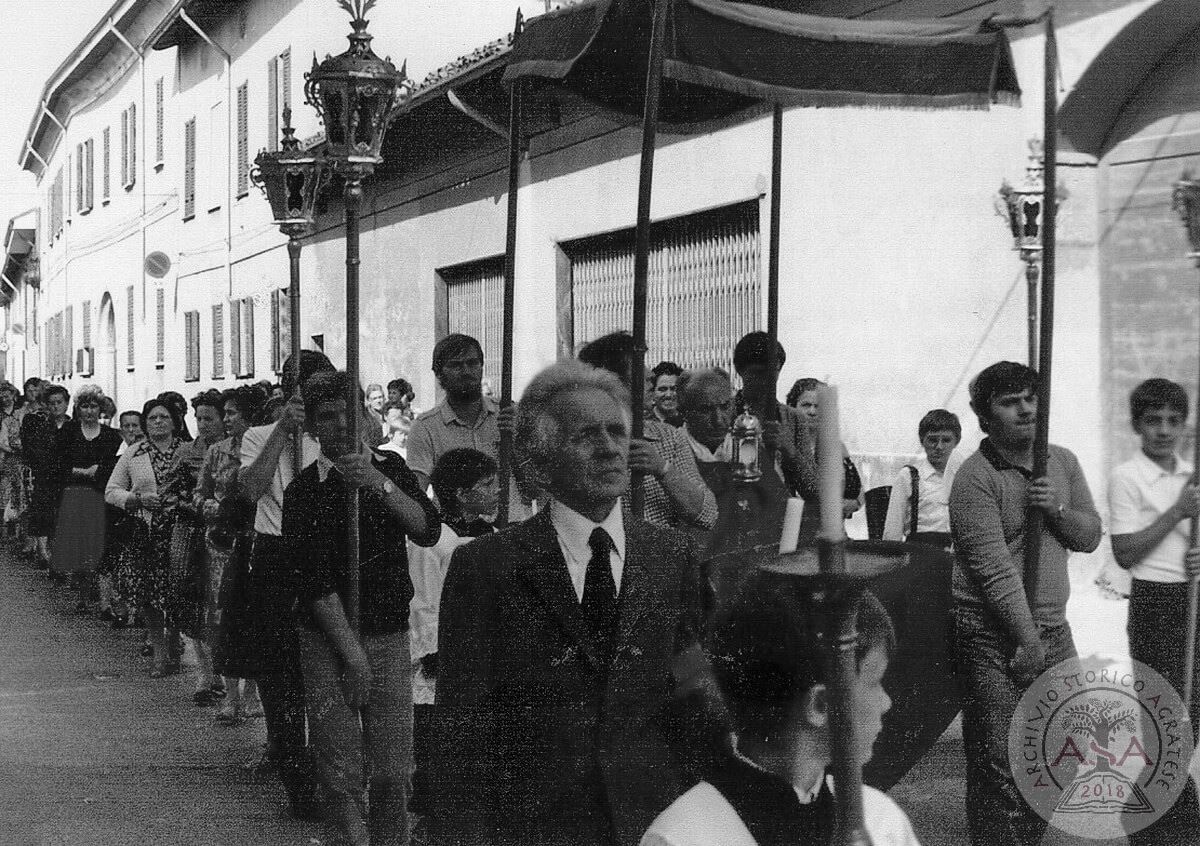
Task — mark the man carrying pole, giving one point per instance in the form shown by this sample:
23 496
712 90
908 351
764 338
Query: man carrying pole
1004 640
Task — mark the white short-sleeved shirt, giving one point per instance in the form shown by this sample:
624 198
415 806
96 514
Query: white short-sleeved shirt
703 817
268 517
933 499
1139 492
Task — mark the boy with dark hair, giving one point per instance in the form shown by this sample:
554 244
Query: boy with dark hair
467 491
1150 499
771 786
919 507
1003 640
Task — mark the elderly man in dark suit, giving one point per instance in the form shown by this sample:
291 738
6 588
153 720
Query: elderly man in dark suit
563 640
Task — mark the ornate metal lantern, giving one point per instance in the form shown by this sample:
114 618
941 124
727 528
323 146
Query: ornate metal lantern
291 179
1186 201
745 453
357 95
1022 206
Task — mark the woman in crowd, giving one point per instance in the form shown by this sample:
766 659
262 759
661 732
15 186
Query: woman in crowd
39 436
12 411
143 571
227 517
187 540
180 406
374 406
87 453
804 398
120 526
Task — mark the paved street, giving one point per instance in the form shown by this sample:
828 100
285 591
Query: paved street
93 752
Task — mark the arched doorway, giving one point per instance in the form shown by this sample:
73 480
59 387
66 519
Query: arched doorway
106 349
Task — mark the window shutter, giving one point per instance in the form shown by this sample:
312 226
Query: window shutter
285 77
191 331
189 169
275 339
133 157
158 121
273 104
129 327
86 340
160 326
218 341
106 163
187 346
78 177
248 334
235 336
89 174
69 345
125 147
243 139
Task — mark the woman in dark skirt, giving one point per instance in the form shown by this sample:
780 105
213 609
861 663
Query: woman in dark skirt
39 440
143 571
87 453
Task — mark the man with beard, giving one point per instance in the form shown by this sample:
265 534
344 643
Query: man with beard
464 419
1003 641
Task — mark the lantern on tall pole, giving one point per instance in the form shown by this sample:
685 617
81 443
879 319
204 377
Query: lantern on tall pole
292 178
1186 199
1024 209
357 96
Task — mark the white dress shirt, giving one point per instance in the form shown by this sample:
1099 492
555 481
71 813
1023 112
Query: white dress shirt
574 534
268 517
933 499
1139 492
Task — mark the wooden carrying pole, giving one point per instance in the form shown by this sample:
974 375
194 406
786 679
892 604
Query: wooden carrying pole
510 272
1033 521
353 403
641 256
294 323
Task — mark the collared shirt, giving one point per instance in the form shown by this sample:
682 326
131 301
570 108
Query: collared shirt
440 430
1139 492
660 508
988 506
933 499
574 535
268 517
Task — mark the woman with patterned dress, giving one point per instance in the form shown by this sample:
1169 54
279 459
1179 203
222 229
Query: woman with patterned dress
187 541
143 571
226 519
87 453
39 438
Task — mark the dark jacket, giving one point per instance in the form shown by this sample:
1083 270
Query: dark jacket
314 535
538 743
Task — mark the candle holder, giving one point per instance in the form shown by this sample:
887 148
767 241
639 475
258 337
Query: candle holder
745 455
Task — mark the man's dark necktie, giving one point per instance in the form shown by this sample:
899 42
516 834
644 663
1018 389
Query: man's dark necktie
600 594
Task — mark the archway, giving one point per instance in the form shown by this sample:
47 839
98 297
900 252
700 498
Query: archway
106 349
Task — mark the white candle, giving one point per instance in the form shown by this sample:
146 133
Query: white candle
829 465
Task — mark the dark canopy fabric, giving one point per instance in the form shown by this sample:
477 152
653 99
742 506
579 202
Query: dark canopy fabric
721 57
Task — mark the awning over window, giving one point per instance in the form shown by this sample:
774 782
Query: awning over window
722 57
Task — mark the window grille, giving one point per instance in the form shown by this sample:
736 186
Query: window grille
704 286
475 307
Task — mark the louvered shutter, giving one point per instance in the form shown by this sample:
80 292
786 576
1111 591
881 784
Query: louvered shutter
189 169
248 334
129 328
133 157
235 336
243 139
160 326
218 337
273 104
106 164
159 116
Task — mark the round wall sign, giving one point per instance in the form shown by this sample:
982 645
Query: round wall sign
158 264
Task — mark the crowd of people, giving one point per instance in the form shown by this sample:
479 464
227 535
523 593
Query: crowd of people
581 675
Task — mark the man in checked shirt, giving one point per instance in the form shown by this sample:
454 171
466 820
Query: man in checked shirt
675 493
